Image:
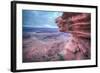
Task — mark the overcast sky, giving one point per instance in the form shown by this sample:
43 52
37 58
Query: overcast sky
42 19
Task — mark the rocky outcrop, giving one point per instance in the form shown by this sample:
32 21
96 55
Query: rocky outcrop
75 23
79 25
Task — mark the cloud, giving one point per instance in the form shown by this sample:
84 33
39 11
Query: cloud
41 19
50 26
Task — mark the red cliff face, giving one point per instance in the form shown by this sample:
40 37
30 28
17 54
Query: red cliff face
79 25
76 23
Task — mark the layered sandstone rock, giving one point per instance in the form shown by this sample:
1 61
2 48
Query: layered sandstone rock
79 25
75 23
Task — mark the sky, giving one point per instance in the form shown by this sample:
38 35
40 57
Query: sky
40 19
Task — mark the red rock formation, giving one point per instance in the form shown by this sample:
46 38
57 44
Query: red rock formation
78 24
75 23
